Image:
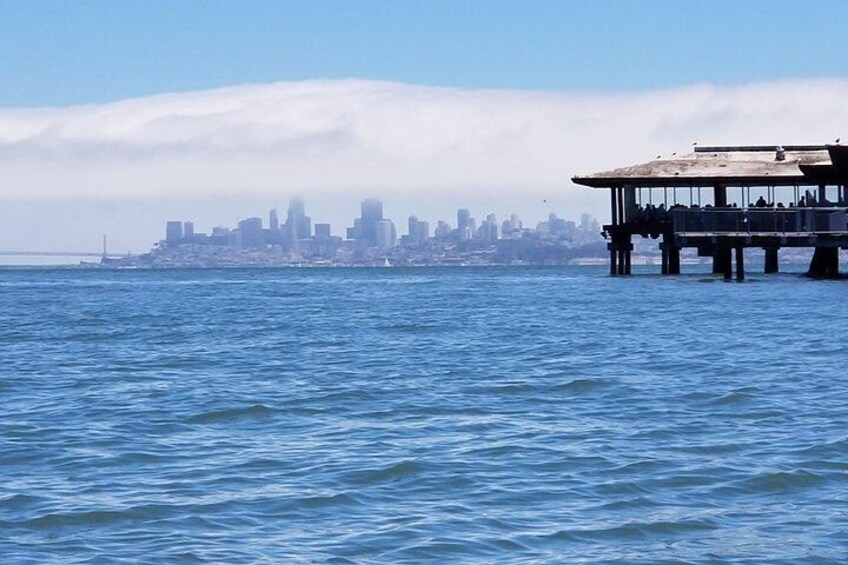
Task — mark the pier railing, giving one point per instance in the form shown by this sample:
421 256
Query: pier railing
760 221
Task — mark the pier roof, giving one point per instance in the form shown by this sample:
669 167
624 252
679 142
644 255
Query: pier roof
766 165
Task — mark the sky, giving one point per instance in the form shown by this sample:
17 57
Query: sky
116 116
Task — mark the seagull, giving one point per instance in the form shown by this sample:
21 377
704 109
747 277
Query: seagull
695 143
837 140
659 156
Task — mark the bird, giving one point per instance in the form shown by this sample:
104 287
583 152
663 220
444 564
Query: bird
695 143
837 140
659 156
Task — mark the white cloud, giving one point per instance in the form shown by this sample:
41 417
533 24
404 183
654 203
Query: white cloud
69 175
386 138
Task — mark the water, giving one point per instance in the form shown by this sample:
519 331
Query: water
423 415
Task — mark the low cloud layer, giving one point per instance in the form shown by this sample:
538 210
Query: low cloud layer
383 138
70 175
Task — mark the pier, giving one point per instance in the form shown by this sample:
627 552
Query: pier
721 200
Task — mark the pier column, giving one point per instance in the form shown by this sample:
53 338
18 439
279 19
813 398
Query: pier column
825 263
726 263
721 258
740 263
613 259
664 252
673 260
771 266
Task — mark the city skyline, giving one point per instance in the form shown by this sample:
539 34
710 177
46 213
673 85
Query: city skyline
370 239
366 227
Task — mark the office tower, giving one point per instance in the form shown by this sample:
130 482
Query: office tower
372 212
298 224
423 234
386 236
443 230
250 231
174 232
413 229
463 224
356 231
489 229
274 221
322 231
188 231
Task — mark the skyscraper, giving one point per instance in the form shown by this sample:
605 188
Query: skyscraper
463 224
188 231
298 224
372 212
274 221
174 232
386 236
251 232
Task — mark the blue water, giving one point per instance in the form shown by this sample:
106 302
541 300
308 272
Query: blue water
425 415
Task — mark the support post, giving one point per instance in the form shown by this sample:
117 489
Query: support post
771 265
825 263
721 259
673 260
664 260
613 257
740 263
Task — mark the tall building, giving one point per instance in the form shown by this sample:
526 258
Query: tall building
322 231
188 231
419 231
463 224
174 232
489 229
443 230
298 224
386 236
274 221
372 212
250 231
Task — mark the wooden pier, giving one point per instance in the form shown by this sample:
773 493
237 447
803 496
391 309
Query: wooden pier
721 200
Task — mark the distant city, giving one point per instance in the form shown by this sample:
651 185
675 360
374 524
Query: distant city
373 240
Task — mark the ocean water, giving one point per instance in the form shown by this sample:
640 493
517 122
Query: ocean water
480 415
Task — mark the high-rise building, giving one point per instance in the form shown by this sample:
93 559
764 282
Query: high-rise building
372 212
298 224
274 221
443 230
463 224
386 236
188 231
250 231
322 231
413 229
423 234
174 232
489 229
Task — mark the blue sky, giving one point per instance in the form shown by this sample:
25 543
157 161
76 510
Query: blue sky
63 53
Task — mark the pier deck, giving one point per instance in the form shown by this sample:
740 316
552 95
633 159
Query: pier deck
722 200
